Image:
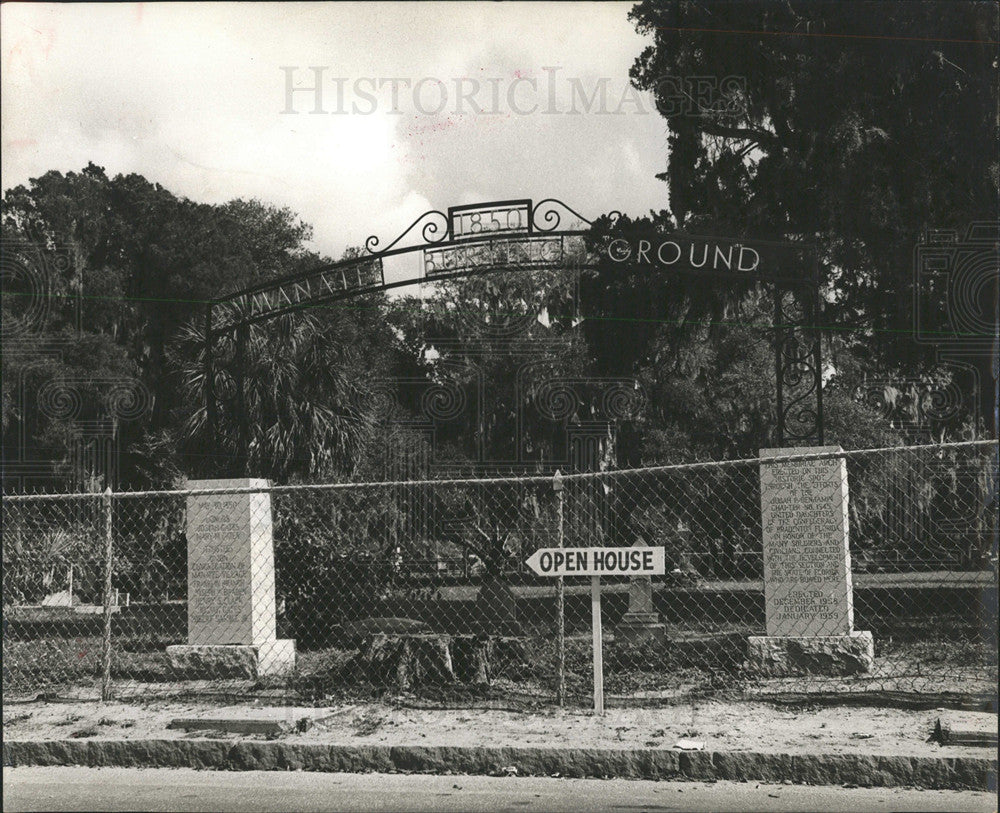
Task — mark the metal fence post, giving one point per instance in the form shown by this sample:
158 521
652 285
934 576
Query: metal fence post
557 486
106 644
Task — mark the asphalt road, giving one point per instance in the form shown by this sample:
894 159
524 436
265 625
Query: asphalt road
189 790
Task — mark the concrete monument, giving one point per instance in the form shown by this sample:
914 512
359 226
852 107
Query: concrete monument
808 595
231 605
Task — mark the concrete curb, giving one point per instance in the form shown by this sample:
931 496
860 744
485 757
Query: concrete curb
864 770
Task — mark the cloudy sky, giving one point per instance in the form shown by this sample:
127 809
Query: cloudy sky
196 97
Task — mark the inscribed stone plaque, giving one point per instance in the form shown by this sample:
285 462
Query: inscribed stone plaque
230 565
807 564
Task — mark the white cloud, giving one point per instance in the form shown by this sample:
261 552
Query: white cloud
190 95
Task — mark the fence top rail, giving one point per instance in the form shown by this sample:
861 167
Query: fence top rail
537 479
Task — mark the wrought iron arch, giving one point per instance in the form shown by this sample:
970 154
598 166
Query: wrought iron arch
485 238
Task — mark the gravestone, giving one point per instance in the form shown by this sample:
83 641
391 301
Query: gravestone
808 595
641 621
231 606
64 598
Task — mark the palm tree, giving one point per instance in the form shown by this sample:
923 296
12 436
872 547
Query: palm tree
299 403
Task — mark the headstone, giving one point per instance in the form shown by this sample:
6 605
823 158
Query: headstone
685 554
231 604
64 598
641 621
808 595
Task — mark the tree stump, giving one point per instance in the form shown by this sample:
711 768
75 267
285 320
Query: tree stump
471 655
404 661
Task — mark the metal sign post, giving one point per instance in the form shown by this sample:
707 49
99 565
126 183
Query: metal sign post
597 562
557 485
595 620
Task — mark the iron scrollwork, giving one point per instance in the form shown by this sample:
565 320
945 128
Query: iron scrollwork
514 217
550 216
429 232
797 371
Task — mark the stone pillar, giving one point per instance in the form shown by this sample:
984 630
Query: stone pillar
808 595
231 605
641 621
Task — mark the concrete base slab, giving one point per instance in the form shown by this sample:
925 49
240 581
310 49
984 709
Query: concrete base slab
815 655
247 661
237 726
640 627
271 720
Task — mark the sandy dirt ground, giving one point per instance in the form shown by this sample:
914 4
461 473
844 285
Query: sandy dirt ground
718 725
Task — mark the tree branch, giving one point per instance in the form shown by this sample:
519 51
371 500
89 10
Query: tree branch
760 137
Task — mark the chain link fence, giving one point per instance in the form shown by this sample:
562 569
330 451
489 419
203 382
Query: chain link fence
419 589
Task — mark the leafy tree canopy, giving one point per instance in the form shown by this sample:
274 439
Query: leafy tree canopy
123 265
853 125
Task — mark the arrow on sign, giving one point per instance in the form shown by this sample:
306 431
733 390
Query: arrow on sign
635 561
